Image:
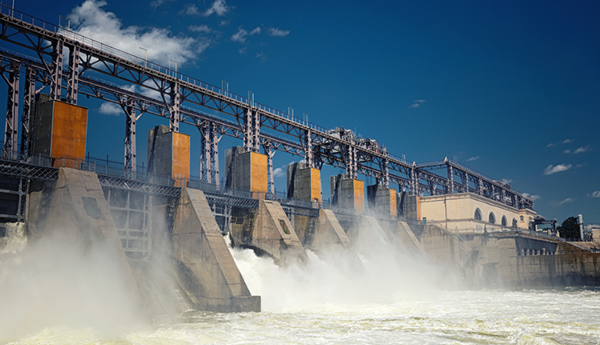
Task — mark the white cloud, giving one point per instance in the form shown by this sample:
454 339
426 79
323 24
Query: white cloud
532 197
190 10
154 4
257 30
91 20
261 56
110 109
506 181
200 28
550 169
596 194
581 149
219 7
417 103
278 32
567 200
474 158
550 145
567 151
240 36
567 141
278 172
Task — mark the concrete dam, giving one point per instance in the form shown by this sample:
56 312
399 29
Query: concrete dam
168 235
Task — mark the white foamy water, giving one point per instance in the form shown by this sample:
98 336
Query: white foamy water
457 317
396 302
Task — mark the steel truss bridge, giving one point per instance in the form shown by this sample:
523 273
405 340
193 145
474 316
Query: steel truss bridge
178 98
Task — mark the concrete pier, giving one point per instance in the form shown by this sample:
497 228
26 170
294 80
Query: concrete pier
60 131
304 183
246 171
409 206
383 199
347 193
168 155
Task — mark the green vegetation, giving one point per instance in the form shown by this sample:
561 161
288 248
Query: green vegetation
569 228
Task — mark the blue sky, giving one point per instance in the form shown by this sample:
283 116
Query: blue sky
508 88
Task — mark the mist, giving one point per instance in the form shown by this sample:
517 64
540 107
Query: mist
54 282
389 274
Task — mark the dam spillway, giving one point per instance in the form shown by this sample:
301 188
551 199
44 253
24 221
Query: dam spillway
160 232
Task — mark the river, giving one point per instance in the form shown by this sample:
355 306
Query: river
322 304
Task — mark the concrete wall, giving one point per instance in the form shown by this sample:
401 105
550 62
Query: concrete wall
498 260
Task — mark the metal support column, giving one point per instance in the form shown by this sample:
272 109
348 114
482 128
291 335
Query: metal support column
174 106
450 180
351 163
385 177
11 129
57 71
130 147
480 187
28 108
256 132
466 182
414 181
205 150
248 129
270 151
209 153
308 149
215 153
73 81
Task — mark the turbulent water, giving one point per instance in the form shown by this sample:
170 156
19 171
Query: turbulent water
324 303
457 317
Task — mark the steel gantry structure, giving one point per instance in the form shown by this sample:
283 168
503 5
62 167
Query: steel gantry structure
165 92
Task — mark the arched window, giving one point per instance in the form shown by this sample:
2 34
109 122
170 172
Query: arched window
504 221
492 218
514 225
477 214
521 218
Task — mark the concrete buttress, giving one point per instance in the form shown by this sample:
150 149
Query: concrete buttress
75 209
329 233
369 230
408 237
271 233
206 269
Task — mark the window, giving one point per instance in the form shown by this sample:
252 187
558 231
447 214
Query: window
514 224
521 218
504 221
477 214
492 219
